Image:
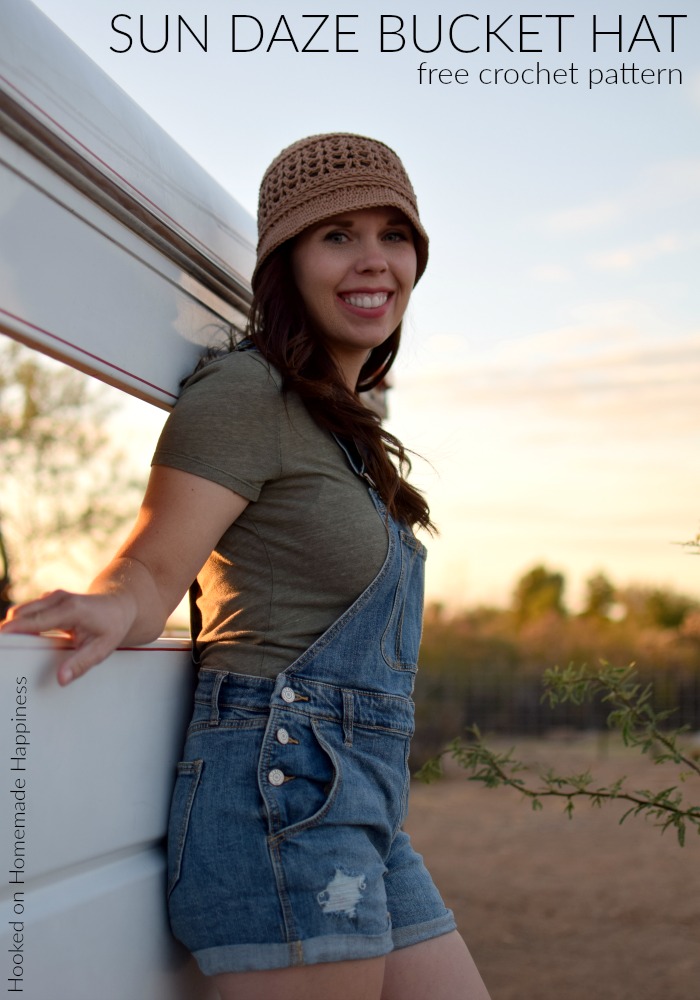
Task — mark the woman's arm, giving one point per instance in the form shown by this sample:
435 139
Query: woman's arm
182 517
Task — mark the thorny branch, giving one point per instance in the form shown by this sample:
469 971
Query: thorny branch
632 714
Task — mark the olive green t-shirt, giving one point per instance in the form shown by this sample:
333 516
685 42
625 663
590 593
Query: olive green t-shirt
310 540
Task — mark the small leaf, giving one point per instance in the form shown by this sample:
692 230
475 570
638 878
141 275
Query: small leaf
430 771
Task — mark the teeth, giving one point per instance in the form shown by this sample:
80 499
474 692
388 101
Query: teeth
367 301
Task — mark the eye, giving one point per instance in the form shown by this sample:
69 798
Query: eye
335 236
398 236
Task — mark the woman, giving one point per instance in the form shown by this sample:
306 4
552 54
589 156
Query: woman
288 872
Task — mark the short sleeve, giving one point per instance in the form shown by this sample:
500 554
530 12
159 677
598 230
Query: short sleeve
225 426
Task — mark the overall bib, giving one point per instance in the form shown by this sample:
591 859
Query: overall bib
285 844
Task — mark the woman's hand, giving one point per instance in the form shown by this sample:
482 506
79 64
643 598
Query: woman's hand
182 518
96 624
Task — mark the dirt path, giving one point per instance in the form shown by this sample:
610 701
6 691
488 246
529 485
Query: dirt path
554 909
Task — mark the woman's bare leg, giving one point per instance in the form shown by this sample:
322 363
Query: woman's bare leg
359 979
438 969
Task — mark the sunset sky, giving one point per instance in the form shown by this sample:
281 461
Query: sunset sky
550 377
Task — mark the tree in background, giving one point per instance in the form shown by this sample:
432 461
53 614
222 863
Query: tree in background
66 490
538 592
600 596
656 607
484 665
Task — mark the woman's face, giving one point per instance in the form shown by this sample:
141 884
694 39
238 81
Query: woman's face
355 273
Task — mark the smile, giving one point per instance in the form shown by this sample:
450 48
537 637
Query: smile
365 301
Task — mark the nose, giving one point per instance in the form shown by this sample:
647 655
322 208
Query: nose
371 257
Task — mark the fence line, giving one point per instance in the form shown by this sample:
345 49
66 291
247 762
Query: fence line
446 705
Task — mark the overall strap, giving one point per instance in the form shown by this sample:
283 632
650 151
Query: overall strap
354 458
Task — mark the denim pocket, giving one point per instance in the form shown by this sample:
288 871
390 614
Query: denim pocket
401 638
186 784
311 779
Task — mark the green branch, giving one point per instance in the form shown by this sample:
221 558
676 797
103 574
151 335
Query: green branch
631 713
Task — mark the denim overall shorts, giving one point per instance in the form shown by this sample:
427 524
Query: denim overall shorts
285 845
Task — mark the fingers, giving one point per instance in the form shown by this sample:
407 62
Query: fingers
36 616
78 663
94 623
91 647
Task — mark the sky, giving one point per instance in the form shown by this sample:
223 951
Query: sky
549 381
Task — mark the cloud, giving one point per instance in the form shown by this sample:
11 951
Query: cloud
661 185
582 218
626 258
574 446
552 384
670 182
550 273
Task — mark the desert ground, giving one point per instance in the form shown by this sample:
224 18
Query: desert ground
559 909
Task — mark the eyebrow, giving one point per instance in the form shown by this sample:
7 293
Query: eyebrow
342 220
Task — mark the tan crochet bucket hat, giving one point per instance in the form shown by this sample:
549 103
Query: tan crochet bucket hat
324 175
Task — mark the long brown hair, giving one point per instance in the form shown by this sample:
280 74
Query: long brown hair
280 328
